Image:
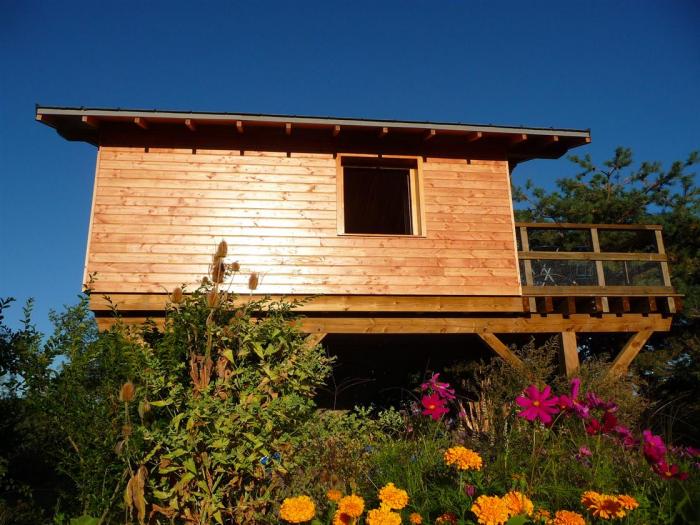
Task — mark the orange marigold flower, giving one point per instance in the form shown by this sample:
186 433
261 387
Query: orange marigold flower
602 506
393 497
352 505
463 458
542 515
448 518
490 510
567 517
298 510
518 503
334 495
627 502
415 519
340 518
383 516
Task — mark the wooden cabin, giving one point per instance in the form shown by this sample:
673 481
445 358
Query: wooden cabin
392 226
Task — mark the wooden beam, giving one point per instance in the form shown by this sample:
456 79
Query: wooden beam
517 139
239 126
587 226
288 128
190 124
383 132
336 303
553 323
141 122
90 121
502 350
664 269
628 353
315 339
474 136
429 134
336 131
592 291
593 256
569 354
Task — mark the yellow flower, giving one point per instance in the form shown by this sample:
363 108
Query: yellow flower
627 502
393 497
490 510
352 505
603 506
463 458
383 516
340 518
415 518
334 495
518 503
298 510
567 517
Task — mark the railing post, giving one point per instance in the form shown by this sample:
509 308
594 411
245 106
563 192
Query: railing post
599 267
664 269
527 263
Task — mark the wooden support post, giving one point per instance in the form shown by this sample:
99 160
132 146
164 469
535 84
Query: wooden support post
664 270
239 126
628 353
569 353
529 281
497 346
595 241
336 131
315 339
288 128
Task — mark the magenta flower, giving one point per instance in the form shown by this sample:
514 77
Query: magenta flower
434 406
571 403
470 490
585 452
667 471
594 402
605 427
441 389
625 435
654 448
538 405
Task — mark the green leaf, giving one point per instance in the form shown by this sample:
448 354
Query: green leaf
84 520
228 354
517 520
162 403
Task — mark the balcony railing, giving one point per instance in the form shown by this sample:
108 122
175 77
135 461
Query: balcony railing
594 260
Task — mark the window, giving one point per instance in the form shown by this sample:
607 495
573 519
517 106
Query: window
379 196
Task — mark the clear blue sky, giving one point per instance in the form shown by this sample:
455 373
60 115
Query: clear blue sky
630 71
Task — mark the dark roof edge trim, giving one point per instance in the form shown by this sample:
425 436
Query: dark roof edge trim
295 119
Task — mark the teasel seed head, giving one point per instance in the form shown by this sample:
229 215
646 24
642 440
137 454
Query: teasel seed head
222 249
253 281
213 299
205 281
144 409
127 391
218 272
177 295
235 266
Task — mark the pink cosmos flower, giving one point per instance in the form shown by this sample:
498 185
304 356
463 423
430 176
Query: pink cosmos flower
441 389
654 448
625 435
538 405
572 403
434 406
667 471
594 402
605 427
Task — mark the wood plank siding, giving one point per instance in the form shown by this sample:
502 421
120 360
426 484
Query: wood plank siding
159 212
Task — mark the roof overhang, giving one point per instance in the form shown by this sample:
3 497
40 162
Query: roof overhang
96 125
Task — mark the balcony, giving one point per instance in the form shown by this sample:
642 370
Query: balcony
594 268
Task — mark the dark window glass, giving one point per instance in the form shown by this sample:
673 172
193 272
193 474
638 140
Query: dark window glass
377 200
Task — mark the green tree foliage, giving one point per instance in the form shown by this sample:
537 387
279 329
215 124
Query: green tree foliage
620 192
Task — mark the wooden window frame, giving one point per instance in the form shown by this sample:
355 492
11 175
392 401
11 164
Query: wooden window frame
416 188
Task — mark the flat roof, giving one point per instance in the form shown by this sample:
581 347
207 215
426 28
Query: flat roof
519 142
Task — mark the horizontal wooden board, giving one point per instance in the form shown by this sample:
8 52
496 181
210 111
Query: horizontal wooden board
335 303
